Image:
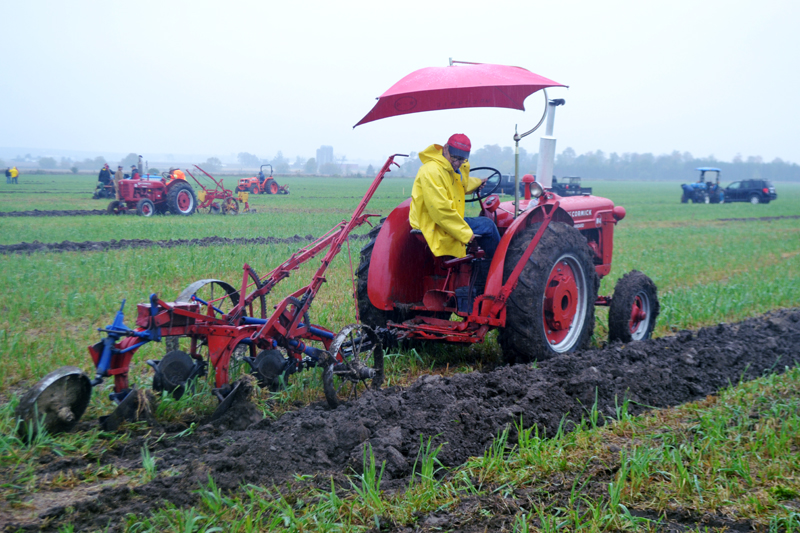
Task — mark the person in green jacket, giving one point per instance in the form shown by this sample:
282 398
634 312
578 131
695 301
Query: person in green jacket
437 201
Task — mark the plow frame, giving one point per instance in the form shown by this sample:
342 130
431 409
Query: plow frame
207 325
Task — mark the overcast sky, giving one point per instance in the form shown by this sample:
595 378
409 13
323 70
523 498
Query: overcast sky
209 77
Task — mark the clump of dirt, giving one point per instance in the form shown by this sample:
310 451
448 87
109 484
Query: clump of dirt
101 246
463 412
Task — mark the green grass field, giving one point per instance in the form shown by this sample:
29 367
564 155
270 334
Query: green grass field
707 271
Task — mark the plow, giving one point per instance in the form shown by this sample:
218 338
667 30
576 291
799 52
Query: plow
218 200
540 292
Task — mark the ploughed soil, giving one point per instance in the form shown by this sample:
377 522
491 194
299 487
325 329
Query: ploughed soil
100 246
464 412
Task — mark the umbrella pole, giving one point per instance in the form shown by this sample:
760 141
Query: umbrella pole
517 137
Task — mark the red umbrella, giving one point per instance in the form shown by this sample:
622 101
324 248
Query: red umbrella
463 85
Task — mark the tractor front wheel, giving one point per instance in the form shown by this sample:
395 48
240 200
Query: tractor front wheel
181 200
355 362
145 207
634 308
254 189
551 310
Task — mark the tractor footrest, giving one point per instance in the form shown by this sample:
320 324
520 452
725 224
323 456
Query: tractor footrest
171 319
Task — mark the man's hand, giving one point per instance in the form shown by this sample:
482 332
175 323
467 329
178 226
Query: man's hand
483 182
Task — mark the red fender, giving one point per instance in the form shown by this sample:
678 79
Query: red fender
400 261
494 281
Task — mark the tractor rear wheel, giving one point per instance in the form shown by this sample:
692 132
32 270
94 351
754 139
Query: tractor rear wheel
368 313
634 308
271 187
145 207
551 310
355 362
181 200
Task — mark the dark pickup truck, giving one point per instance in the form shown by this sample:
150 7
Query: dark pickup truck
571 188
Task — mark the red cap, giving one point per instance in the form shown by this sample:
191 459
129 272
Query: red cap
459 145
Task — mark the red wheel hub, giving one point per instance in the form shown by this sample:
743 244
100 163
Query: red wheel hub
560 302
184 201
638 314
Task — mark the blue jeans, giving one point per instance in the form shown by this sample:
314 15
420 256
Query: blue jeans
486 234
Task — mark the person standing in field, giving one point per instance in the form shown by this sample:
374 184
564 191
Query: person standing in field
8 175
105 175
14 174
118 176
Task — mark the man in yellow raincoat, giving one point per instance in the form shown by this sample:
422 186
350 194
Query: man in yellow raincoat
437 201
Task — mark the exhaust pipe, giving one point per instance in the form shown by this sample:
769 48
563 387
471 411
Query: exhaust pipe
547 147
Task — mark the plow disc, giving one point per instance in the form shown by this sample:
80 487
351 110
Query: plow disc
57 401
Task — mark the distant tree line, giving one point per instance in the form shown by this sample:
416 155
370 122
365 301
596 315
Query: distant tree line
644 167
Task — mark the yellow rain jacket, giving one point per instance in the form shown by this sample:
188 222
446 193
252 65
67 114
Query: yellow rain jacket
437 203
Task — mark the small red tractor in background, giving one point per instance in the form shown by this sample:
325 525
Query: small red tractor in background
152 194
262 184
216 200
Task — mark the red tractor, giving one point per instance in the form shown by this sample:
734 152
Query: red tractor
262 184
540 293
151 194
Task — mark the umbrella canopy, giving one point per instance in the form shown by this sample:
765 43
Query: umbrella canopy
463 85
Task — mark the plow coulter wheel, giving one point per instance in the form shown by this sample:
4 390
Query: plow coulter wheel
58 401
116 208
634 308
145 208
172 373
551 310
355 361
224 296
268 367
230 206
271 187
181 200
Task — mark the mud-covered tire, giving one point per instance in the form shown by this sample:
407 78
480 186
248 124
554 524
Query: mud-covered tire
355 351
634 308
145 207
559 270
181 199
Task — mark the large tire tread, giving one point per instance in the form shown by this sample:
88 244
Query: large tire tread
523 339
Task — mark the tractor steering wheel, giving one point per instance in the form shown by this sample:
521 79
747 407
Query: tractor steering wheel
491 185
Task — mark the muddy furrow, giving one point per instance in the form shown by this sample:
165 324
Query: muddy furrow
760 219
464 413
102 246
61 213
